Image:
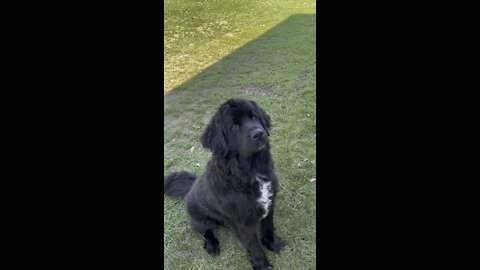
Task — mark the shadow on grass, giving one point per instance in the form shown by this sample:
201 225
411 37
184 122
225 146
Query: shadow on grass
262 68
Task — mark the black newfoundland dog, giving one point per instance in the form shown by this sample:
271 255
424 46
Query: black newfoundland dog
239 185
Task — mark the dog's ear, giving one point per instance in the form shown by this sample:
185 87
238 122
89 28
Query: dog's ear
213 137
264 117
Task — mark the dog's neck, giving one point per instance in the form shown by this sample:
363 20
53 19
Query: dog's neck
246 168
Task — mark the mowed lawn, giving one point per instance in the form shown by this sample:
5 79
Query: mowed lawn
260 50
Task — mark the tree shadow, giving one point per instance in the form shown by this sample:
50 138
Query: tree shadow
262 68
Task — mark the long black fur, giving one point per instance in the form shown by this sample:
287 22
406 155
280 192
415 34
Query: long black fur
178 184
227 193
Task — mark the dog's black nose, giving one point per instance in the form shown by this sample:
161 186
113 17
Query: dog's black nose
258 133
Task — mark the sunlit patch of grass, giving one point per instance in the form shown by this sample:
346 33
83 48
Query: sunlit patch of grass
199 33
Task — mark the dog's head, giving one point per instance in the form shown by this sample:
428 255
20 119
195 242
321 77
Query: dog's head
238 127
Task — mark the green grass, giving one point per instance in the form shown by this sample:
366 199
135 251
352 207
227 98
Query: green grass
261 50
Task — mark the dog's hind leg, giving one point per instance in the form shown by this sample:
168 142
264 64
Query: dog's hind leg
211 243
205 227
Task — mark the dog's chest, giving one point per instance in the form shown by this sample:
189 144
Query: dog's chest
265 191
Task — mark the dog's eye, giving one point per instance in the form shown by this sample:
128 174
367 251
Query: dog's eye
235 127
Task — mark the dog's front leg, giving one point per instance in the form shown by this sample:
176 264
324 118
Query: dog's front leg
256 255
269 239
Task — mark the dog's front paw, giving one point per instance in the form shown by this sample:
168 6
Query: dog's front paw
276 245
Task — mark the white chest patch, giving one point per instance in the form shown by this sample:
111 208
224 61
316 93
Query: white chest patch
265 199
